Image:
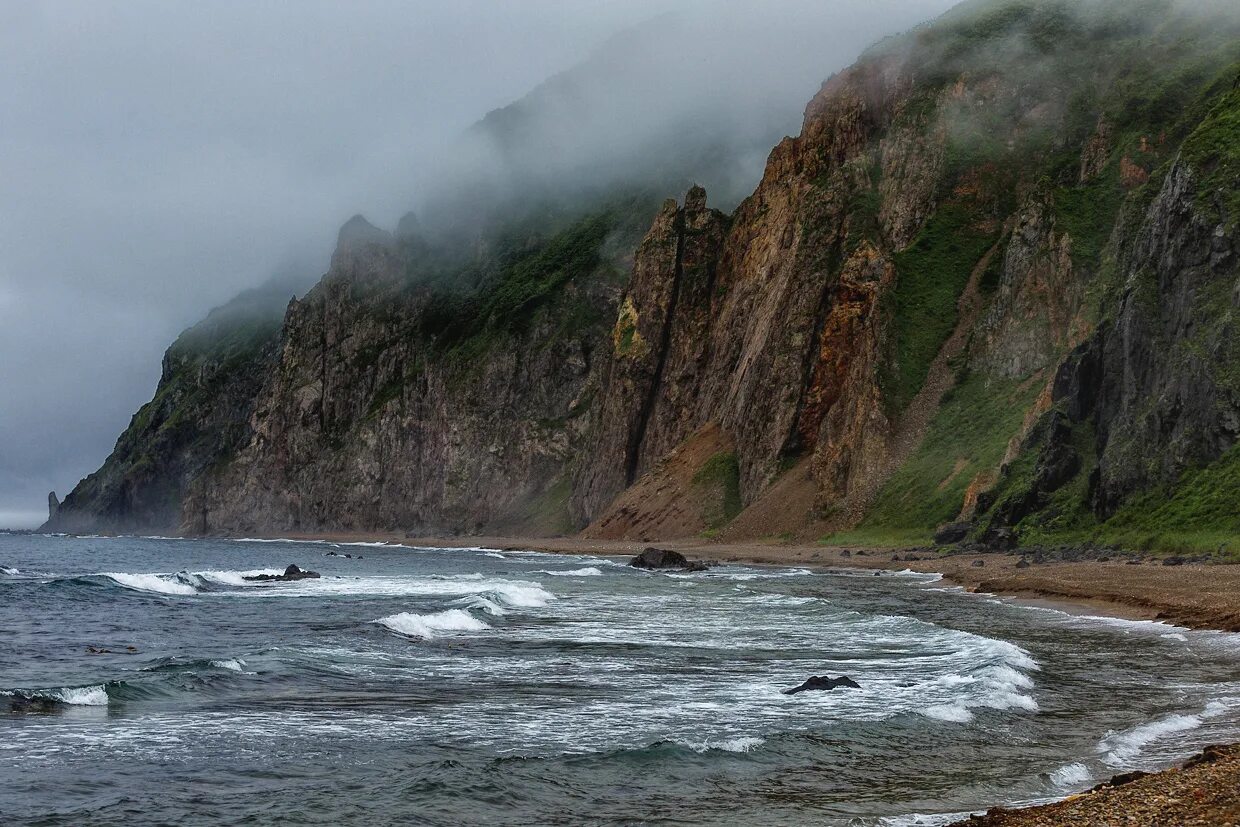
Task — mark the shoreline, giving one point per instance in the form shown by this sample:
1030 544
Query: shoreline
1199 597
1193 596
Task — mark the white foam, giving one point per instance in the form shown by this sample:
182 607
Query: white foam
952 713
428 626
482 603
738 744
1120 748
507 593
589 571
519 595
233 578
232 665
494 554
1071 776
924 819
81 695
8 570
150 583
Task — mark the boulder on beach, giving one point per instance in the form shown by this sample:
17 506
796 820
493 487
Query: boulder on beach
823 684
290 573
659 558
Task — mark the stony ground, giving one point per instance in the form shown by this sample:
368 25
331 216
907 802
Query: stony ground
1204 794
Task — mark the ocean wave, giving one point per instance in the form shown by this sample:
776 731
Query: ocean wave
482 603
1001 685
9 571
93 695
1071 776
925 819
738 744
150 583
232 664
517 595
431 625
1121 748
742 575
506 593
957 713
589 571
215 578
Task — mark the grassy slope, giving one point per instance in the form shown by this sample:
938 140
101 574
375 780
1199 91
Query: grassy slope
1161 86
969 436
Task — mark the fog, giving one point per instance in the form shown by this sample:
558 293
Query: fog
157 158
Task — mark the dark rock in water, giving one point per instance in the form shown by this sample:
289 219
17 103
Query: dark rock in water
658 558
819 684
53 504
290 573
977 564
949 535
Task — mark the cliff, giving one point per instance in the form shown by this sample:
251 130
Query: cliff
991 284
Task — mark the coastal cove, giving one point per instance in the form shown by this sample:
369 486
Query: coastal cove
534 687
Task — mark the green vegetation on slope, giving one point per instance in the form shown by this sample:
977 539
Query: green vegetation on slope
719 482
969 436
930 276
1201 512
1213 150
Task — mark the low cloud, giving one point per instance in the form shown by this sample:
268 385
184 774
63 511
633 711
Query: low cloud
158 157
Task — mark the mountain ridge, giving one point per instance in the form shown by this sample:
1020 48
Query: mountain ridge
949 301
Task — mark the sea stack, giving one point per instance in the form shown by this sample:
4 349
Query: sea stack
53 504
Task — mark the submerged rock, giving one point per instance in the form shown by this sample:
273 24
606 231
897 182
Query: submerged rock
290 573
820 684
658 558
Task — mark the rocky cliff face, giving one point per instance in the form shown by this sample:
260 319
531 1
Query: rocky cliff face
993 279
197 420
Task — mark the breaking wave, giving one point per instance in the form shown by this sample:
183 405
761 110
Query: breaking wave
432 625
1120 748
150 583
95 695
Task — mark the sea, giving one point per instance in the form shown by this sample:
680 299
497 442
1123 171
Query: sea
147 681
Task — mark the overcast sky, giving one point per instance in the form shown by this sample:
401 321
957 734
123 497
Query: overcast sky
158 157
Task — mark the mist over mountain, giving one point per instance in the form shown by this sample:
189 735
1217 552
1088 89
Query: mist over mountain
160 160
985 295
